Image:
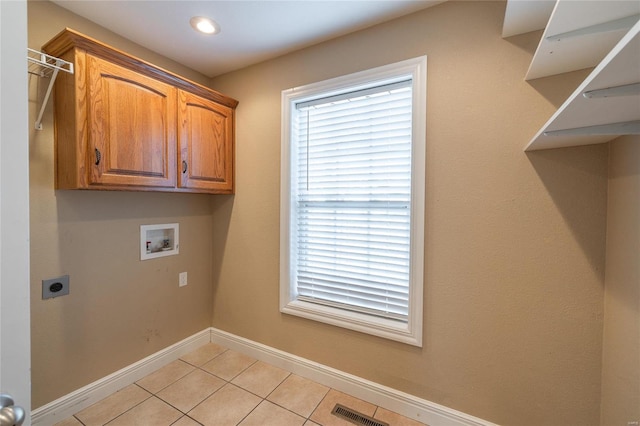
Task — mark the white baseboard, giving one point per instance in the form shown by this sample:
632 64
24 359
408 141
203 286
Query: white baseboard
82 398
402 403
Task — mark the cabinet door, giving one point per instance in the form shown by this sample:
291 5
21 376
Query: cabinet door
206 145
132 128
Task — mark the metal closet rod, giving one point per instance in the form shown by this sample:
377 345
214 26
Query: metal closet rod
44 65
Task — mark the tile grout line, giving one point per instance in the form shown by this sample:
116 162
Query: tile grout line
195 367
306 418
189 417
226 382
230 382
79 421
319 402
151 395
263 399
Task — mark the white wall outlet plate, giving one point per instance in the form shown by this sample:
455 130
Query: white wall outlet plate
182 281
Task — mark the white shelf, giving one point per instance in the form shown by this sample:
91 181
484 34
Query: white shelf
46 66
582 120
579 34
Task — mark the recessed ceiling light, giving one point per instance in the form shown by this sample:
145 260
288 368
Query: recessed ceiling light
204 25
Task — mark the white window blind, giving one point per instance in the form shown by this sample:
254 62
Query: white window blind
351 178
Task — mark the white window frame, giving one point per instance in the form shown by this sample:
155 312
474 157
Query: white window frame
409 332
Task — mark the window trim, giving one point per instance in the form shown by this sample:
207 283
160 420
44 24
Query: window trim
411 331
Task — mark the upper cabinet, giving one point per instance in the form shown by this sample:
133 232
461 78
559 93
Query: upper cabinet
131 126
124 124
579 35
206 144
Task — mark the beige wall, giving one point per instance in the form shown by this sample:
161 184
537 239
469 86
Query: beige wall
120 309
514 242
621 344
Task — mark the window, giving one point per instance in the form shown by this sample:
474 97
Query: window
352 201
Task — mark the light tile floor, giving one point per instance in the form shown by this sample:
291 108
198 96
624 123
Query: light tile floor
216 386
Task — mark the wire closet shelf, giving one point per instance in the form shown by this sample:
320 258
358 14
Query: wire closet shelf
46 66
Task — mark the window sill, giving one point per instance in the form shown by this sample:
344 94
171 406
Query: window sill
369 324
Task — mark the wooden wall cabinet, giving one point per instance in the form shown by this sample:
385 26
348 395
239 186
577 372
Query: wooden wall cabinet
124 124
131 127
206 144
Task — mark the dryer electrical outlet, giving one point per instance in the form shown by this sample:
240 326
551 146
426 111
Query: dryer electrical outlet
55 287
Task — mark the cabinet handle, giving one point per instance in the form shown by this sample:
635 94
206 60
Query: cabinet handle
98 156
184 166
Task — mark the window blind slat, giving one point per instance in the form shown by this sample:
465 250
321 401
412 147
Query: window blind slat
365 296
354 95
333 283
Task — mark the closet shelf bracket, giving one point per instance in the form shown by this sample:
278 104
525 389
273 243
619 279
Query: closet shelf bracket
46 66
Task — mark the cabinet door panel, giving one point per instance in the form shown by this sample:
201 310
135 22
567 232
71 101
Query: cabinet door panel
206 144
132 136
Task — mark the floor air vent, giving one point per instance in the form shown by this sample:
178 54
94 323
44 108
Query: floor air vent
354 417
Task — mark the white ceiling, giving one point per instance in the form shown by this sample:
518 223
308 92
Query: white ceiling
523 16
251 30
